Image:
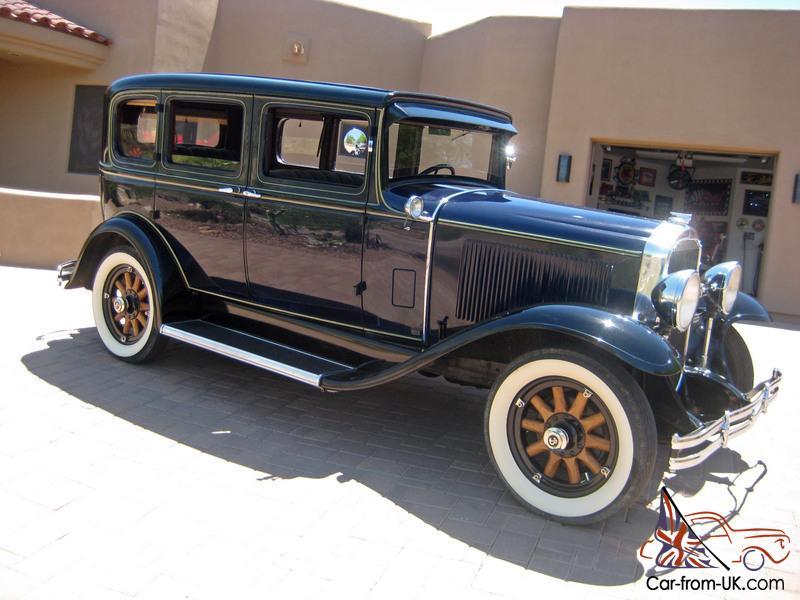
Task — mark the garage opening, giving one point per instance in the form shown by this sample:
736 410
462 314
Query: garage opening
727 194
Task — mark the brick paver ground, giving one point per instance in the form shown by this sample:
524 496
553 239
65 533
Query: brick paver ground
196 477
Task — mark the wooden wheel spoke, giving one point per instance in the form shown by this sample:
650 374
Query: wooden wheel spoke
578 405
119 316
536 448
144 307
573 471
118 284
126 329
128 281
135 324
140 318
531 425
137 281
542 407
142 293
559 402
593 421
552 464
589 460
597 443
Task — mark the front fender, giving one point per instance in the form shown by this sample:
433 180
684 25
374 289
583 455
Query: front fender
746 308
137 232
633 343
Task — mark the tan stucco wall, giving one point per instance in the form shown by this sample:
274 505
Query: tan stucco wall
40 230
726 79
346 44
506 62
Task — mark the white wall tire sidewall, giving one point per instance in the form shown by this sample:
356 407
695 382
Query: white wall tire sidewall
500 446
110 340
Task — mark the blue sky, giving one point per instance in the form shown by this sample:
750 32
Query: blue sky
449 14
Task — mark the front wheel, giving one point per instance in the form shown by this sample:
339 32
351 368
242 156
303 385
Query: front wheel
572 437
125 306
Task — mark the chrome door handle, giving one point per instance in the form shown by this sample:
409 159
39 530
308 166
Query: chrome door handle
251 194
226 190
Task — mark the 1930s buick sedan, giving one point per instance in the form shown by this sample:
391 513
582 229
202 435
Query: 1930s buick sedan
345 237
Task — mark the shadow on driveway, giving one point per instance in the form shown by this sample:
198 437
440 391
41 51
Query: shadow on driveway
417 442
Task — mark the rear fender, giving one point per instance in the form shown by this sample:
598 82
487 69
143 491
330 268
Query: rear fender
132 230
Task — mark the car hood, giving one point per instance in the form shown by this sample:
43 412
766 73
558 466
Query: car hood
504 211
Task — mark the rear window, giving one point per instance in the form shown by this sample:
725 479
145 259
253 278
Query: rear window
137 125
207 135
300 141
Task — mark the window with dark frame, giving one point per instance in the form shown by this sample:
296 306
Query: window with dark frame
136 129
85 145
316 146
206 134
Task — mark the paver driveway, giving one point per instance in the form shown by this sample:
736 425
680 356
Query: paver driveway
196 477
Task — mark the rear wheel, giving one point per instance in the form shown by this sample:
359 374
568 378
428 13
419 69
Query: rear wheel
125 306
571 436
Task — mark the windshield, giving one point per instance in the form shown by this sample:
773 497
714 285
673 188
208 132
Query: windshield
421 149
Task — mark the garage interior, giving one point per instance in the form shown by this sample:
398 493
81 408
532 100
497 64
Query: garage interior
728 195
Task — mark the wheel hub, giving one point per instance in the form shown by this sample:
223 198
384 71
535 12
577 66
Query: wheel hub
556 438
118 304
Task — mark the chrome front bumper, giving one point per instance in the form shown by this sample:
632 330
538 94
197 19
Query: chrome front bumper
693 448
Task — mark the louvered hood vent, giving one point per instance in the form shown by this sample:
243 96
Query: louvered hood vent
495 278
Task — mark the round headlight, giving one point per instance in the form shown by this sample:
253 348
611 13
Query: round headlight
676 298
722 283
415 206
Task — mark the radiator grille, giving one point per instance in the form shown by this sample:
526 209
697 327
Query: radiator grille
495 278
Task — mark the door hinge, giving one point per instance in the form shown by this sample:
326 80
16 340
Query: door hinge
360 287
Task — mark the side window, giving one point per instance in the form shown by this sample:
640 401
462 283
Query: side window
316 146
136 127
351 146
206 134
300 141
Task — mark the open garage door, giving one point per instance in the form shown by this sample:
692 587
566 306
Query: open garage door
727 194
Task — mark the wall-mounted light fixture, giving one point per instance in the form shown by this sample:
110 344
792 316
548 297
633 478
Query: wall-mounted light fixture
564 167
297 48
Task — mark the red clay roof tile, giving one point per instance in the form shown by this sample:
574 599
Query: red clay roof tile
25 12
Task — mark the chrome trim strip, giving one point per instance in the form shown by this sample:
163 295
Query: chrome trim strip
242 356
655 260
432 220
715 435
534 236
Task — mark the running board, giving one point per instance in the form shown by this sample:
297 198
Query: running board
259 352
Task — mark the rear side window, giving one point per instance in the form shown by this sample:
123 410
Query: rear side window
206 134
300 141
320 147
137 125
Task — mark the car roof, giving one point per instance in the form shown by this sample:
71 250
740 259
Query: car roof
291 88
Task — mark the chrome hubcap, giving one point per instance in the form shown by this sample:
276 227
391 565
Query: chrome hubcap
556 438
118 305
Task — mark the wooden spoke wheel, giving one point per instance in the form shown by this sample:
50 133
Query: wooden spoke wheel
570 433
126 304
563 436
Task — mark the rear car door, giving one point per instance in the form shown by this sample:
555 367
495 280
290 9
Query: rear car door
305 210
203 170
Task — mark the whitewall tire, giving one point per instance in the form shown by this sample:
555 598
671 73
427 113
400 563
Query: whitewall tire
572 437
125 306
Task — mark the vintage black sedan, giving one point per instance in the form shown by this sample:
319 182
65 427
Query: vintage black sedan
345 236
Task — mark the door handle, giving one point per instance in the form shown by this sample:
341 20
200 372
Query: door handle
226 190
251 194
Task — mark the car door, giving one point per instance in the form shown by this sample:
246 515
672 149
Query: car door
305 209
202 173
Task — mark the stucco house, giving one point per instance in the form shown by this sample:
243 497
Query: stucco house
635 111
